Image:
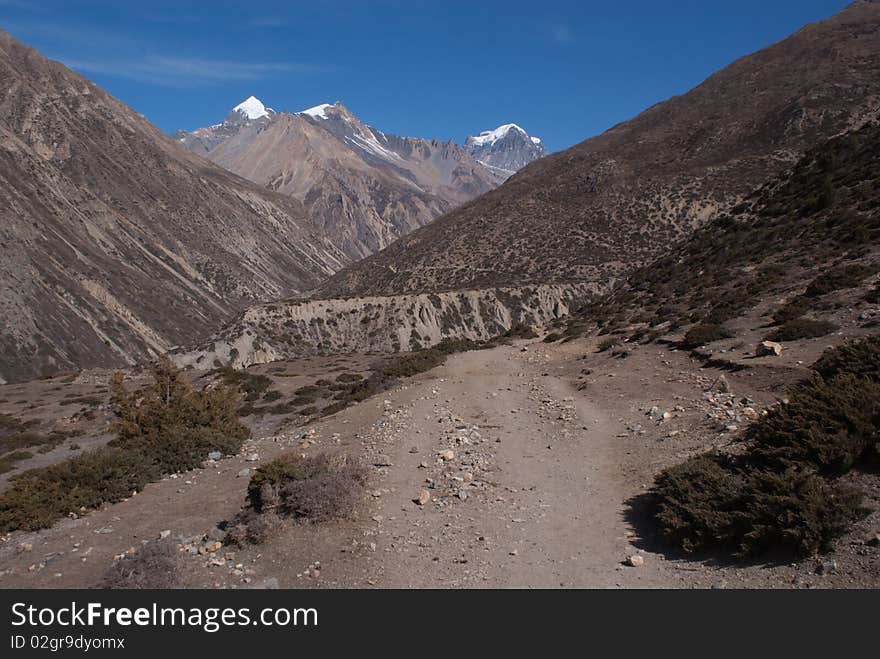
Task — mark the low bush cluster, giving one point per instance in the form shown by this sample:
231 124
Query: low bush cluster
802 328
783 492
168 428
153 566
317 488
700 335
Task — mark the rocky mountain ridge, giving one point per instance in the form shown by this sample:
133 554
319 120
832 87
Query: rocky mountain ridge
366 188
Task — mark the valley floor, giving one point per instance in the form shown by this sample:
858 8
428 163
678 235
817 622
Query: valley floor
552 446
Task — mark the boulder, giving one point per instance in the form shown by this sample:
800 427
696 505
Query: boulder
769 349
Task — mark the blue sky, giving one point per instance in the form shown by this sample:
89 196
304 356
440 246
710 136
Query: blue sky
563 70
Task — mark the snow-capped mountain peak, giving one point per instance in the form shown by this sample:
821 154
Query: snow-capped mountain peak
492 136
317 112
506 149
252 108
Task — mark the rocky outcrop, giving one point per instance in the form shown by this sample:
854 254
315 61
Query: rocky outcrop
297 328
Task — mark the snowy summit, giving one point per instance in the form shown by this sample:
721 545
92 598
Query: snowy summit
252 108
318 112
505 150
492 136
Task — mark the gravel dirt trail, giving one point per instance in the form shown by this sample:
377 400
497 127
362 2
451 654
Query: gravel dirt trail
533 497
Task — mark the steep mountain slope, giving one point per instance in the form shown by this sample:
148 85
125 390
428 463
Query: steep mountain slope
364 187
114 241
812 232
594 211
505 150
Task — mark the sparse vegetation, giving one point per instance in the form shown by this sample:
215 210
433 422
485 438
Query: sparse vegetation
839 278
700 335
8 461
777 238
252 385
782 493
802 328
16 435
167 429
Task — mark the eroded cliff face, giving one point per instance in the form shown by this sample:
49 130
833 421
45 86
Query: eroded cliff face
297 328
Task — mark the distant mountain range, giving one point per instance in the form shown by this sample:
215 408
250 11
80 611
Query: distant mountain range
365 188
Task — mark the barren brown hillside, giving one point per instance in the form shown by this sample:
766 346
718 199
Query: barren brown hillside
115 242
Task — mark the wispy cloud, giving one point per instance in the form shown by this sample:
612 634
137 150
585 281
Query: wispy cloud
182 71
561 33
85 49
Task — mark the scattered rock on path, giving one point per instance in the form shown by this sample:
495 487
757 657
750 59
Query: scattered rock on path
423 498
635 560
769 349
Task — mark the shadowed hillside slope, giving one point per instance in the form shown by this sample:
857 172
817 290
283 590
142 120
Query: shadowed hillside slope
620 199
808 234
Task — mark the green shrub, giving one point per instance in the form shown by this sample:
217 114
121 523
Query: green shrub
802 328
829 424
349 377
781 493
794 308
841 277
859 358
333 408
719 502
252 385
520 332
167 429
700 335
608 343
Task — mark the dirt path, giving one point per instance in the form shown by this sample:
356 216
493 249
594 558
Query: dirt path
534 496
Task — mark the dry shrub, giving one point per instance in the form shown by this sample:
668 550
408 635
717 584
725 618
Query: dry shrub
317 488
153 566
